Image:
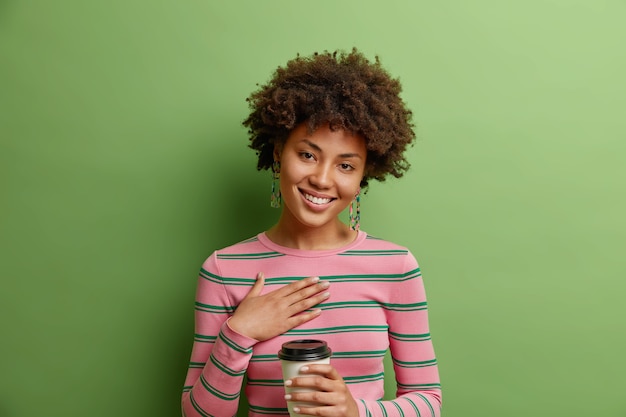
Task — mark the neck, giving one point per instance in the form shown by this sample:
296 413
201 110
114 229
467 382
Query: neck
298 236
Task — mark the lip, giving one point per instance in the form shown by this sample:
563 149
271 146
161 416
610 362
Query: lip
314 194
312 205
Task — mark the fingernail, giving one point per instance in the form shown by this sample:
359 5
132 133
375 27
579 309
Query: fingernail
324 284
287 396
315 279
304 369
326 295
296 409
288 382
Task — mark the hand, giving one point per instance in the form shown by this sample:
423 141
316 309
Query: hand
330 392
262 317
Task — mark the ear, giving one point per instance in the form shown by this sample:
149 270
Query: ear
278 149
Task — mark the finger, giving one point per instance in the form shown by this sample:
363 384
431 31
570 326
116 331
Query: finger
317 397
313 411
308 292
318 377
301 318
300 305
317 383
327 371
298 285
256 289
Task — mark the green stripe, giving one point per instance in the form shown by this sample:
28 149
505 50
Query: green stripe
417 410
387 278
349 304
217 393
382 408
208 308
410 306
390 252
234 345
226 281
367 411
204 339
197 407
265 410
197 364
374 277
413 387
432 411
266 382
398 408
410 337
360 354
422 364
249 256
374 304
225 369
415 273
246 281
364 378
264 358
187 388
338 329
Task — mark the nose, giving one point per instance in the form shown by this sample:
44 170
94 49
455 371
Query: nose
322 177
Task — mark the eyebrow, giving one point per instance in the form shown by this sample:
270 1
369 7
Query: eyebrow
343 155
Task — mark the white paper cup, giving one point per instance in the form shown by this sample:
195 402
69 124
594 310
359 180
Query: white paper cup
293 356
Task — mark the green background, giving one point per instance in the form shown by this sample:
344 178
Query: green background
123 164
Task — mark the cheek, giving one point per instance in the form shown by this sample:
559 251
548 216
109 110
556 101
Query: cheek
351 188
291 175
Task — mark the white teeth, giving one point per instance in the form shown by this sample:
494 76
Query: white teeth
317 200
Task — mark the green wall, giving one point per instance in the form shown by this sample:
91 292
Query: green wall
123 164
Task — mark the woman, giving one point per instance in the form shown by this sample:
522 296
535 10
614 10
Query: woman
325 125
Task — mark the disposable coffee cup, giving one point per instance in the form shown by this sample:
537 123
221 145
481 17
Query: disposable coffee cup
296 354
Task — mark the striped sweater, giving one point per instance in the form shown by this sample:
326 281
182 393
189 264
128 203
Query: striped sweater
377 303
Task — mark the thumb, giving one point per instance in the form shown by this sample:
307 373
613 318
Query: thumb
258 286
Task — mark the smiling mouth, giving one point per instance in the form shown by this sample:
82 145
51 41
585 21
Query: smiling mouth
317 200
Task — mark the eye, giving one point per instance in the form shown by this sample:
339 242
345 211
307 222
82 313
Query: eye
346 167
307 155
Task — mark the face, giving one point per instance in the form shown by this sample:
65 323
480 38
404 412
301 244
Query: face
320 174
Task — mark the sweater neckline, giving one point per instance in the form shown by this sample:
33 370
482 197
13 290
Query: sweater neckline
265 241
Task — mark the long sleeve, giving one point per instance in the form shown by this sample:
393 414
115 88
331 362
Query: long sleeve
219 356
377 303
417 377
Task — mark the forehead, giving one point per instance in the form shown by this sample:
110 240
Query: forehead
327 140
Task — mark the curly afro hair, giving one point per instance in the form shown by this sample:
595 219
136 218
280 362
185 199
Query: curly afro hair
345 91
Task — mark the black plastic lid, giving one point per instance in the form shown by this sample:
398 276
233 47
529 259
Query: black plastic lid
304 350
